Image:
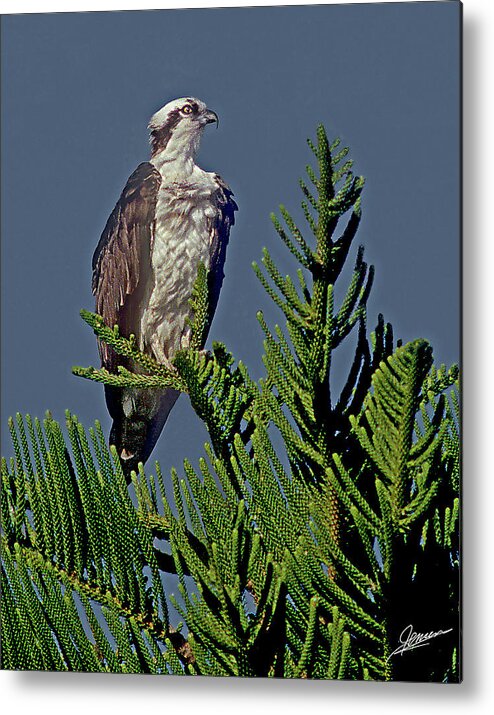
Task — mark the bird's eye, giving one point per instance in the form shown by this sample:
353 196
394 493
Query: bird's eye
186 109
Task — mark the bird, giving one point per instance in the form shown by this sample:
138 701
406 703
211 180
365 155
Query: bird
171 216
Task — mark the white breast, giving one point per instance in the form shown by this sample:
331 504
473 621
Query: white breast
184 220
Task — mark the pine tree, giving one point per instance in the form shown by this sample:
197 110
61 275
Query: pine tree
320 521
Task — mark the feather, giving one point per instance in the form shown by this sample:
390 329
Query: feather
122 257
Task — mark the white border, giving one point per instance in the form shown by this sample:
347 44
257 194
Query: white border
83 693
477 8
21 6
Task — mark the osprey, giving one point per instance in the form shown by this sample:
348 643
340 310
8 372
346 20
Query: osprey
171 215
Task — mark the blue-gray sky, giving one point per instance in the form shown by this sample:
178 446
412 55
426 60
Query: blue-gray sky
77 93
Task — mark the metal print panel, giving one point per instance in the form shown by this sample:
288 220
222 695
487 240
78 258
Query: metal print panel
244 460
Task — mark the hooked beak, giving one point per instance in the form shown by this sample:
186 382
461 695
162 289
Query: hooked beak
210 117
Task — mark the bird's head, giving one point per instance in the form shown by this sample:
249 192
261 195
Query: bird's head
176 128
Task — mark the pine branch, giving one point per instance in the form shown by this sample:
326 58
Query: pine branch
155 375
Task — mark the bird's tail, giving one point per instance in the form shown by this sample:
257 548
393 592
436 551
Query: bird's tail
138 419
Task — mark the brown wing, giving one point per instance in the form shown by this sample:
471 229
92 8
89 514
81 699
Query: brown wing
220 233
121 261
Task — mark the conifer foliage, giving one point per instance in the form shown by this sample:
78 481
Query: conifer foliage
320 523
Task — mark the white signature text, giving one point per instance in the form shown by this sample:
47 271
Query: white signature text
410 640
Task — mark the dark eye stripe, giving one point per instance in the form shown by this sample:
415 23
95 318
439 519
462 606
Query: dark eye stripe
160 137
